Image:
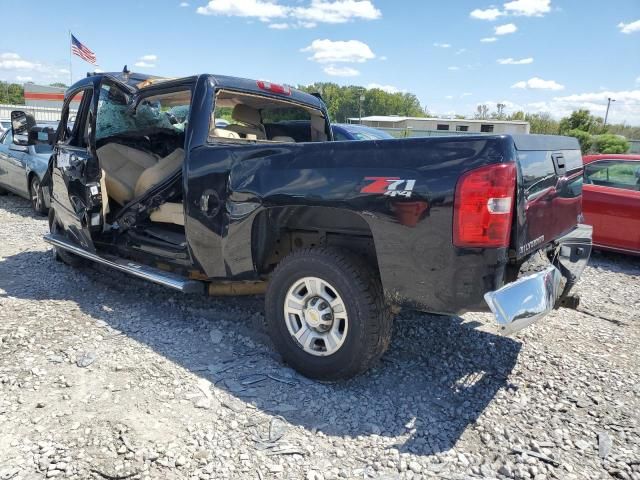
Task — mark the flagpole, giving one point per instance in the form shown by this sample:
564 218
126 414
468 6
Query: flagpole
70 61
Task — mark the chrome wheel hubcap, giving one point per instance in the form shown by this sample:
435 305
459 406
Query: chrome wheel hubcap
35 193
316 316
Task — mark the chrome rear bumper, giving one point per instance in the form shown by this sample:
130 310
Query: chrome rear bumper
528 299
525 301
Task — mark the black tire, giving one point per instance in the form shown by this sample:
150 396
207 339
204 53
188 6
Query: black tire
3 191
59 254
37 196
370 320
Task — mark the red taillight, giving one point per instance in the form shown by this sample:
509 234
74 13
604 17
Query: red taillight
274 88
483 206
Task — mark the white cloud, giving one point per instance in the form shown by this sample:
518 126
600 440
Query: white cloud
638 80
488 39
625 109
488 14
336 11
308 16
513 61
528 8
13 61
14 66
453 69
383 58
386 88
629 27
147 61
279 26
341 71
449 97
466 94
537 83
505 29
442 45
461 51
244 8
328 51
184 4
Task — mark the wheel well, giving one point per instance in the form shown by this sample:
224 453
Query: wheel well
282 230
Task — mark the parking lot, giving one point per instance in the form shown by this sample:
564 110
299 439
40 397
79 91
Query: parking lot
104 376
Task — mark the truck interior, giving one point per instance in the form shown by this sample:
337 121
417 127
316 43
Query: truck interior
141 146
248 117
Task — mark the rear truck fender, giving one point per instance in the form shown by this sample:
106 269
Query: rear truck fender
530 298
277 231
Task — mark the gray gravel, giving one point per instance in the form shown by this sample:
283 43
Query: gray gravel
104 376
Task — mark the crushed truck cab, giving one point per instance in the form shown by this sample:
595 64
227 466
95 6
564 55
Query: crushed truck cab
234 186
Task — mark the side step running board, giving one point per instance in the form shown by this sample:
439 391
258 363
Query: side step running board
145 272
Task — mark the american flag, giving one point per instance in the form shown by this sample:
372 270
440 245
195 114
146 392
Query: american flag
83 52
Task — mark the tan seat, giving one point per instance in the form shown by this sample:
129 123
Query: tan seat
123 166
169 213
158 173
283 139
250 118
224 133
318 129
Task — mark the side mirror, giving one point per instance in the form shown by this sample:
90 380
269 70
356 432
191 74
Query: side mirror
21 124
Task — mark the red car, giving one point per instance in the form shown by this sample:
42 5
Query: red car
611 201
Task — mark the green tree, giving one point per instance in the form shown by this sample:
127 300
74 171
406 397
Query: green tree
585 139
628 131
344 102
582 120
608 143
58 84
12 93
542 123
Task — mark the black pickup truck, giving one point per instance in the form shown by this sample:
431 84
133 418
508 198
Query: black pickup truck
232 186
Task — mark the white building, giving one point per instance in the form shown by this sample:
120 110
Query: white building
443 125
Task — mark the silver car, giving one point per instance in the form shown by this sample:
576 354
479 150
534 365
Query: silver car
24 159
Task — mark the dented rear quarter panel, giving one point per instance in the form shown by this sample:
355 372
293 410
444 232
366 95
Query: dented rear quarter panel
418 263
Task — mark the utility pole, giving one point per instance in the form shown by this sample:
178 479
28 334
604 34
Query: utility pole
606 115
360 107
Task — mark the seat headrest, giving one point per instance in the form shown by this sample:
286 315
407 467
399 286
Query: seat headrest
222 133
283 139
246 114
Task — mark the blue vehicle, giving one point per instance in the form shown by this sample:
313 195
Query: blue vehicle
349 131
25 149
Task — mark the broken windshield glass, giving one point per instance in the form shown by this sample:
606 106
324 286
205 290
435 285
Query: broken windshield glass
115 115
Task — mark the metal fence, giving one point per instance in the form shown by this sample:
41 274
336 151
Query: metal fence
42 114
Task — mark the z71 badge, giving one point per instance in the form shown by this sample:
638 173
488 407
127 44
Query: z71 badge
391 186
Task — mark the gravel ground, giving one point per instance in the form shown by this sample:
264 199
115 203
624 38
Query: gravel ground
104 376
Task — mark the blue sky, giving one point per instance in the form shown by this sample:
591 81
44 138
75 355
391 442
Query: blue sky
536 55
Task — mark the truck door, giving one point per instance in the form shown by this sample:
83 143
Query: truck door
75 175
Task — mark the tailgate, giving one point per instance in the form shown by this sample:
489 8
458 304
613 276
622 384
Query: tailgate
549 190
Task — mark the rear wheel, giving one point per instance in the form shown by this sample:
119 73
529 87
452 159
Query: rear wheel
37 196
326 314
3 191
59 254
